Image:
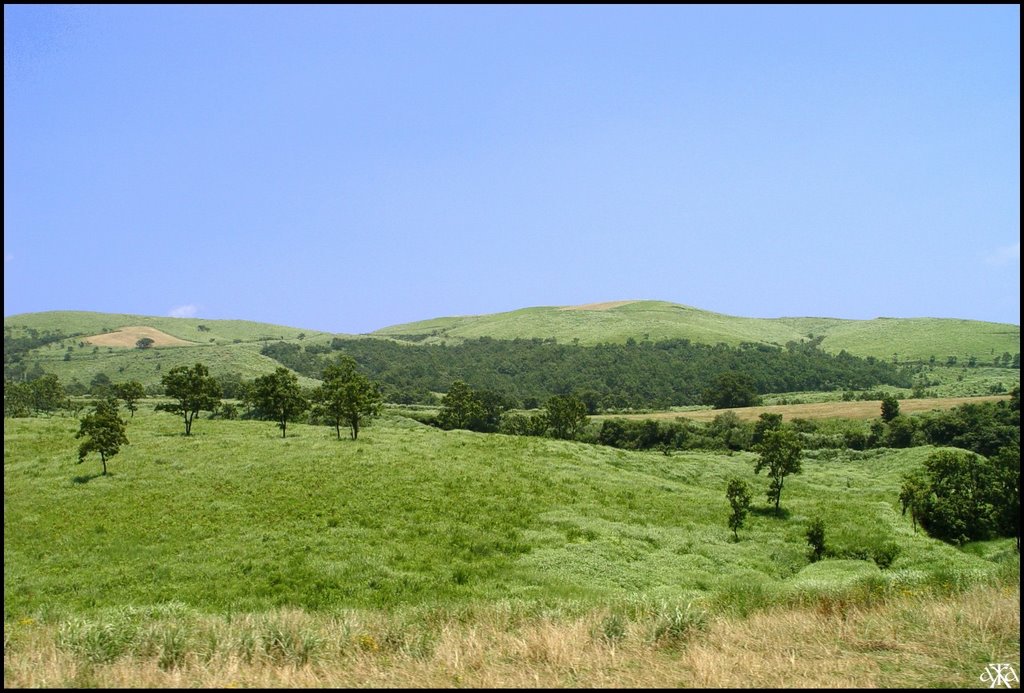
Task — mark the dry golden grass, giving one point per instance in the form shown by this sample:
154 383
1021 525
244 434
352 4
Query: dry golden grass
128 336
869 409
909 640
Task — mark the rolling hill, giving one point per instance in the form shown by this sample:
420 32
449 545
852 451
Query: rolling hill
86 343
910 339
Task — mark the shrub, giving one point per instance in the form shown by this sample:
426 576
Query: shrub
816 539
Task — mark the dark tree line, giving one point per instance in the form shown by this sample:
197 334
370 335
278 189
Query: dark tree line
606 377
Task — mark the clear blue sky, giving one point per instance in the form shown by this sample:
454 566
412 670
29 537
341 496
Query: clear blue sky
345 168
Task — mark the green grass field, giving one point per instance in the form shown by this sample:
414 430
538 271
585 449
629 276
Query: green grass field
386 546
907 338
90 323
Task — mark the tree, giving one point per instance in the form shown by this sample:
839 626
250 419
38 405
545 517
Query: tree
739 500
193 390
104 432
17 399
1005 491
915 496
779 452
900 432
48 394
346 396
131 392
277 396
100 385
890 408
816 538
959 508
567 415
731 389
765 422
144 343
460 407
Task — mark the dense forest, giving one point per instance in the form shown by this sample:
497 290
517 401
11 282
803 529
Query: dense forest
608 376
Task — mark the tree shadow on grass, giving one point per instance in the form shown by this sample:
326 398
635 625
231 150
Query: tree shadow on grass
86 478
770 511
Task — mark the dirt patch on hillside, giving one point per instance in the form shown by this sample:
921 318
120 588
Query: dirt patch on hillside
607 305
820 410
128 336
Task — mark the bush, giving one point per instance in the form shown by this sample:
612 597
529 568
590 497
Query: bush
816 539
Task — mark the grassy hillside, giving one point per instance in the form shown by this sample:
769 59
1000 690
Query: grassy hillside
218 332
235 557
148 366
234 345
224 346
907 338
237 518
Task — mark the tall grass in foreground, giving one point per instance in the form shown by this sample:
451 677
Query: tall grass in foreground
919 638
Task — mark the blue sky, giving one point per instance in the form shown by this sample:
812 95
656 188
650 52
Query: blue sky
344 168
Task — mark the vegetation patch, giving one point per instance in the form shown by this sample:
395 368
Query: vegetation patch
126 337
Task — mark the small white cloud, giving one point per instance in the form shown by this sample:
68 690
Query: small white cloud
1005 255
188 311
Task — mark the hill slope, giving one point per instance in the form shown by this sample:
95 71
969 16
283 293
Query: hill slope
907 338
87 343
409 515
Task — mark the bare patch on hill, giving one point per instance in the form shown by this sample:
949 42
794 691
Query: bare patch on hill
607 305
128 336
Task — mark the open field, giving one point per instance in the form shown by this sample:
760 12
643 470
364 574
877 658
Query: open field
416 556
868 409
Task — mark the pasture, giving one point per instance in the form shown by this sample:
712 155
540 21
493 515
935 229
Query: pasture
415 556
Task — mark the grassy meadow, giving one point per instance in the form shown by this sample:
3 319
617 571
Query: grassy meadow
910 339
421 557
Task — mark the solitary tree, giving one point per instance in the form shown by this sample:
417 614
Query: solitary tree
779 452
131 392
816 538
193 390
144 342
104 432
890 408
739 499
346 396
567 415
278 396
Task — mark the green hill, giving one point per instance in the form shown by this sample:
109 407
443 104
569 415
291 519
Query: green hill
237 518
90 343
224 346
416 556
914 339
